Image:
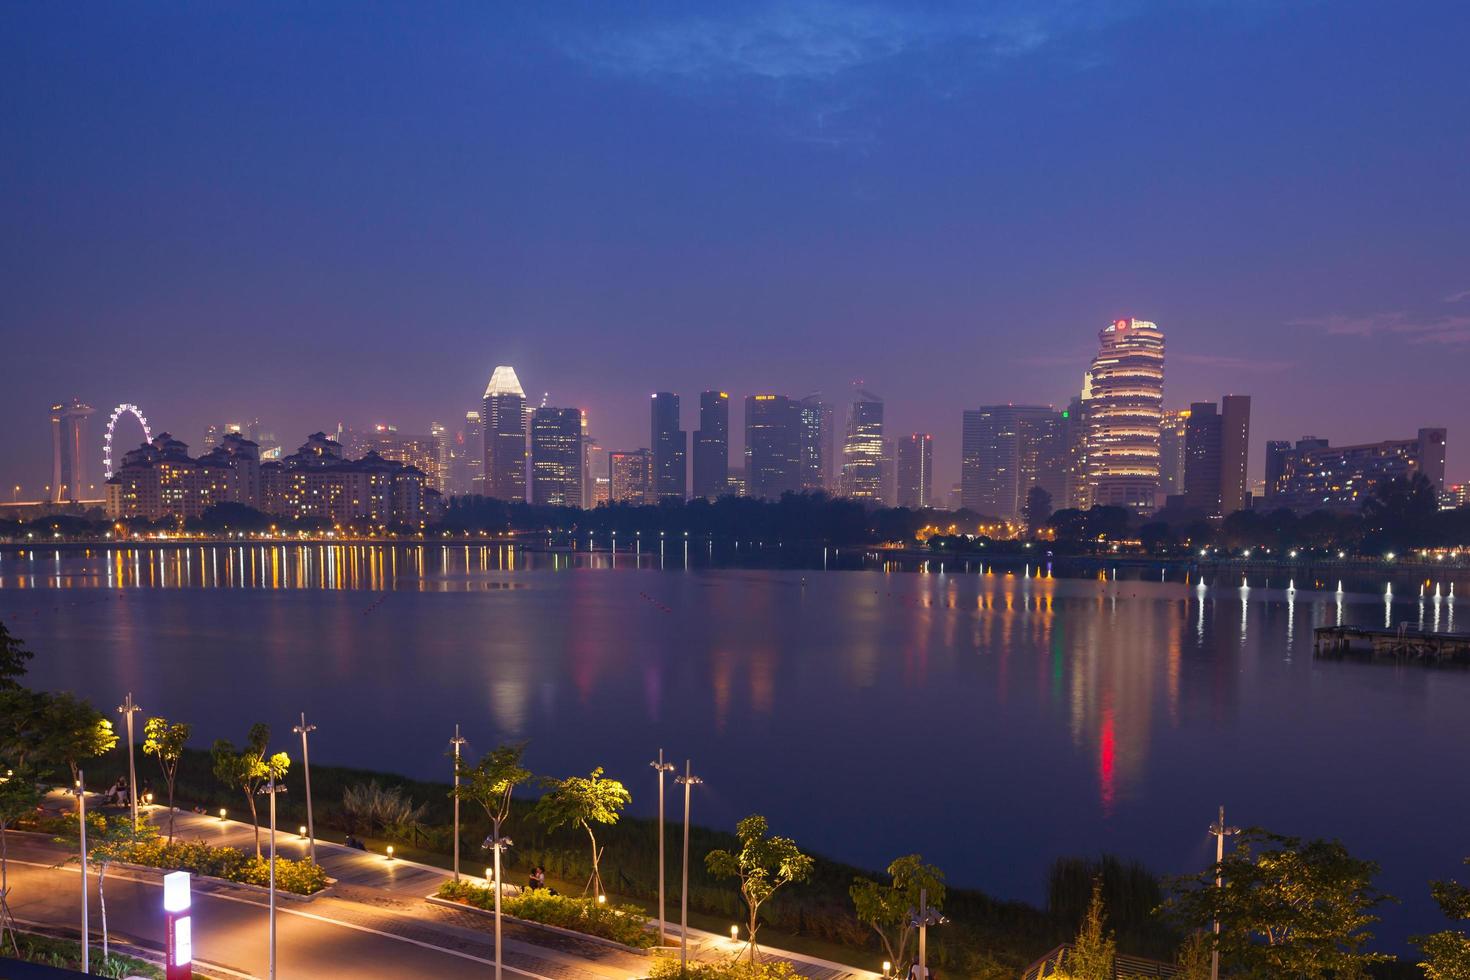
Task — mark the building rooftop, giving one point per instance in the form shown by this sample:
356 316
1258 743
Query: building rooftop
504 382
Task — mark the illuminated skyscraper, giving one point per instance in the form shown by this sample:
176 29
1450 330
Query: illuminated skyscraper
630 477
418 451
1235 438
504 421
669 443
712 445
915 470
772 446
69 450
1124 413
818 442
1173 435
1008 449
556 457
862 449
440 438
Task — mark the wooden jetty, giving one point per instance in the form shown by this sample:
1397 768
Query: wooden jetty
1402 644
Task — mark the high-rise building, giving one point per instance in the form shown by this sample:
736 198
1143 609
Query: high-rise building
1235 438
630 477
818 443
1173 436
1008 449
1074 454
915 470
772 446
1127 389
670 447
1276 452
474 453
69 450
1318 477
439 437
556 457
1202 459
712 445
504 420
594 468
1215 443
418 451
862 448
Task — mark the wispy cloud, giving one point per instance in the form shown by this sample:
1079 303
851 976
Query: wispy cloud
1454 329
1459 297
1229 362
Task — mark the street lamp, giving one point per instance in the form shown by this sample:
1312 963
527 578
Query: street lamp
1219 831
456 742
82 829
127 709
688 780
497 844
661 767
922 920
271 790
303 730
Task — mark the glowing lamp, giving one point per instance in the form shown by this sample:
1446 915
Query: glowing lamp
887 967
734 934
390 852
179 945
303 831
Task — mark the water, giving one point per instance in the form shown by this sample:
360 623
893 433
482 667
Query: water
989 720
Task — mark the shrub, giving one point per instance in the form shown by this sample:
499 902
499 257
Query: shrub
667 968
229 863
624 924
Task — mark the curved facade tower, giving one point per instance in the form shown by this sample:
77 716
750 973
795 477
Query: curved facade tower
1125 407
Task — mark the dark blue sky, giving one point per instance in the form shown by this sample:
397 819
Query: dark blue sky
318 212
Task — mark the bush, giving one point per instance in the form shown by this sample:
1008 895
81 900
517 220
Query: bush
67 954
624 924
229 863
667 968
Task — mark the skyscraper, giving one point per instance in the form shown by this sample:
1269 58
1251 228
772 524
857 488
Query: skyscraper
772 446
712 445
817 420
669 442
473 451
69 450
1127 387
442 462
1202 459
556 457
1235 437
1276 452
862 449
1173 435
504 421
915 470
1005 451
630 477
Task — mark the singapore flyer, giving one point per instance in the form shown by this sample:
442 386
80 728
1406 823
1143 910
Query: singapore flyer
126 408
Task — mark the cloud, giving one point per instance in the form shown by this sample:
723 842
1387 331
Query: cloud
1230 362
1462 295
1453 329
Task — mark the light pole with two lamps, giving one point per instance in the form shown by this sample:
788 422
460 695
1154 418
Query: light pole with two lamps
661 767
922 919
497 844
271 789
1219 831
303 730
455 742
127 709
688 781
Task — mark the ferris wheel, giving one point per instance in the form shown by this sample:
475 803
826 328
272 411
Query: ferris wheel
126 408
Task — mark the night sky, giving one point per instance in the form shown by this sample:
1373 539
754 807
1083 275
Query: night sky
314 213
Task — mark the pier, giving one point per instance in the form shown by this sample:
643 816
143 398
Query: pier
1402 644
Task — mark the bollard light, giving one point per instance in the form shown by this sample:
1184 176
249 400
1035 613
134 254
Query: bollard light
390 852
221 813
887 967
734 934
601 899
179 960
303 831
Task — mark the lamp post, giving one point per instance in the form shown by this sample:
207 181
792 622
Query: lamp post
271 789
456 742
303 730
498 844
82 830
127 709
1219 831
922 920
688 780
661 767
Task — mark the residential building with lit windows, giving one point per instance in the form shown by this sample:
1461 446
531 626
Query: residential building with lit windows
1124 413
630 477
1316 476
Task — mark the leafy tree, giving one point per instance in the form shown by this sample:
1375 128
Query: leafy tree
108 841
1038 508
13 659
248 769
490 783
165 741
69 730
581 801
19 798
1095 951
1447 953
763 864
1194 958
1400 512
888 908
1286 908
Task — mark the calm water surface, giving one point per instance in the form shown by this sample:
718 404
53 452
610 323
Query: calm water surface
991 721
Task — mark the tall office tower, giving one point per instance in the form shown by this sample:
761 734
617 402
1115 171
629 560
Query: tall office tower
504 420
888 496
1008 449
474 449
915 470
712 445
772 446
439 437
818 425
1235 438
1123 415
1202 443
1074 452
556 457
862 448
1173 436
69 450
670 447
630 477
1276 451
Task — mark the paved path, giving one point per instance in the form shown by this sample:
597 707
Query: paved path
375 918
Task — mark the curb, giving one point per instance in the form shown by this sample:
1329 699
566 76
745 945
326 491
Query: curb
574 934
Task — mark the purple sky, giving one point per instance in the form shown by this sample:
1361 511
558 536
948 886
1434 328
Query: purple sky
323 213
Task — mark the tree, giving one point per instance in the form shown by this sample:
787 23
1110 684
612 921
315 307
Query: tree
165 741
1447 953
71 731
13 659
490 783
108 841
1399 512
19 798
763 864
1038 508
248 769
1286 908
1095 950
888 909
1194 958
579 801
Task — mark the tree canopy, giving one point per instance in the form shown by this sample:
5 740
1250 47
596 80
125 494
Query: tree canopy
764 864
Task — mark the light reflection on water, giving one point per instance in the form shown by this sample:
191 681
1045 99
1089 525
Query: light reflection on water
868 713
